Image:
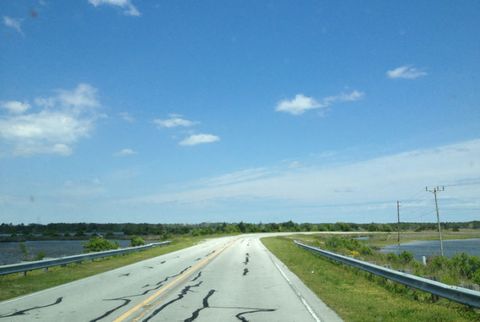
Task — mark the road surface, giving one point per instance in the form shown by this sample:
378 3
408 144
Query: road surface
222 279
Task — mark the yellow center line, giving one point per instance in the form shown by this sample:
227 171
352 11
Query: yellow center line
174 282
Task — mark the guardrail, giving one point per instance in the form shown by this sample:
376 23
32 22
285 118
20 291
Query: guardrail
454 293
30 266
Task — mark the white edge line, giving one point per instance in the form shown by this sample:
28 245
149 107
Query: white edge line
309 309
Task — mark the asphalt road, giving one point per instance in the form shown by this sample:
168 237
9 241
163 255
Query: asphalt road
223 279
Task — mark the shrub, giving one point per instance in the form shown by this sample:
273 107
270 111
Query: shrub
98 244
405 257
365 250
392 257
24 250
40 255
465 265
438 263
137 241
476 276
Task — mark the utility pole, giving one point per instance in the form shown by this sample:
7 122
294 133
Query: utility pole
434 191
398 224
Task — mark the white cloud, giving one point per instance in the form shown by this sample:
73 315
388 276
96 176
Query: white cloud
301 103
200 139
127 117
353 189
127 5
175 120
13 23
406 72
15 107
84 95
54 129
125 152
82 189
295 165
298 105
28 149
344 97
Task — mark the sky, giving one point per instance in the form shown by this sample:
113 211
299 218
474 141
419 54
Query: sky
257 111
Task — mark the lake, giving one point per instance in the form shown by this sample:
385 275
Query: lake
432 247
10 252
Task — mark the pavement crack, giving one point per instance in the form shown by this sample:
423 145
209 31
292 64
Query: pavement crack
243 319
213 251
104 315
197 277
126 274
127 298
175 275
196 313
247 258
22 312
180 296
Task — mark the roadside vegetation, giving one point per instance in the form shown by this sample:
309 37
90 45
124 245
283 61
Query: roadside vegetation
26 256
137 241
461 270
360 296
99 244
14 285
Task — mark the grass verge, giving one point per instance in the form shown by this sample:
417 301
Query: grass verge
14 285
357 296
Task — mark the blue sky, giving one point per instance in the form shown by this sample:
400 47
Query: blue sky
193 111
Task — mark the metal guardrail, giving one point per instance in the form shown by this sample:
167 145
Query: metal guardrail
30 266
454 293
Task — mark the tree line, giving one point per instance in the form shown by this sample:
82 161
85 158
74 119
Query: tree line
10 231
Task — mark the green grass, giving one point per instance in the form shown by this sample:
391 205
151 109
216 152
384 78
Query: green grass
14 285
357 296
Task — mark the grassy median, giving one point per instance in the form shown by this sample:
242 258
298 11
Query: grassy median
14 285
357 296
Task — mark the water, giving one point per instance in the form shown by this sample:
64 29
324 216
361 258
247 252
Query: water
432 247
10 252
362 238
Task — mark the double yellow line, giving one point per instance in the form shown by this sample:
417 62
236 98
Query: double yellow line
174 282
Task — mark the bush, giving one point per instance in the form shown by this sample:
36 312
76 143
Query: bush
392 257
98 244
137 241
24 250
439 263
40 255
465 265
347 245
365 250
476 277
405 257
